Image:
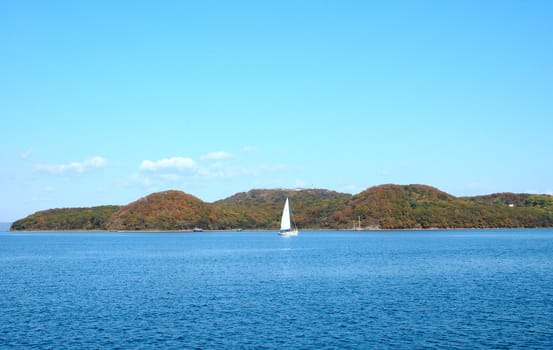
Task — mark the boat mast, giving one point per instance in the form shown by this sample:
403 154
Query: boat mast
292 218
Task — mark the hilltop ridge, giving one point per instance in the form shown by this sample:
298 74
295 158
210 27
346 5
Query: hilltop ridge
386 206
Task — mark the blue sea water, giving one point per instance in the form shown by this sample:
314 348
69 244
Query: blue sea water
488 289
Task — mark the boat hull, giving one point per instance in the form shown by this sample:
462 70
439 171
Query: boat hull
288 233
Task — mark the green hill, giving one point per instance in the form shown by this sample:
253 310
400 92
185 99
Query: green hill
94 218
411 206
381 207
420 206
311 208
169 210
516 200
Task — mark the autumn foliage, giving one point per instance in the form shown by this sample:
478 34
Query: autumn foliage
380 207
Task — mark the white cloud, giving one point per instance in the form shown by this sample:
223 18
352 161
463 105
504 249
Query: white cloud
26 154
49 189
74 167
180 172
174 163
219 155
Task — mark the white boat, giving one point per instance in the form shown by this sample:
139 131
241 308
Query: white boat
285 222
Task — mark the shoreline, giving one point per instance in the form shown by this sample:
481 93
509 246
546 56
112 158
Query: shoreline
276 231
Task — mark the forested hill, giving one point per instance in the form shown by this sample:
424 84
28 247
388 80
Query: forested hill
94 218
380 207
419 206
311 208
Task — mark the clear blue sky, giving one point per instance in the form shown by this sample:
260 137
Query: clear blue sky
103 102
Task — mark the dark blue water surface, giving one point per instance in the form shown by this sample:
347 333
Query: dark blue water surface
337 290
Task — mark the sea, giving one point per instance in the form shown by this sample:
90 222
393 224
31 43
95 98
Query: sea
451 289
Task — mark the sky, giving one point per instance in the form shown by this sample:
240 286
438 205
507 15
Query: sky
104 102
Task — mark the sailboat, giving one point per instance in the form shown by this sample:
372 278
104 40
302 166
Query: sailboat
285 222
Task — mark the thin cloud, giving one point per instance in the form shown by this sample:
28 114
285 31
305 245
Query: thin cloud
174 163
249 149
170 177
137 179
74 167
184 172
234 171
49 189
219 155
26 154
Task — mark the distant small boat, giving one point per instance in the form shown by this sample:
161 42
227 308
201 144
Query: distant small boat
197 229
285 222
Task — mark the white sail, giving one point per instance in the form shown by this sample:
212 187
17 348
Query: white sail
285 221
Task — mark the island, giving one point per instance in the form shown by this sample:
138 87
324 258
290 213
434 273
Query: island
381 207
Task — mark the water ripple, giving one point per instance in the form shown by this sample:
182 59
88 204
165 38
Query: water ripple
252 291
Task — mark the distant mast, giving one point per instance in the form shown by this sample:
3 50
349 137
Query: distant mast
358 227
